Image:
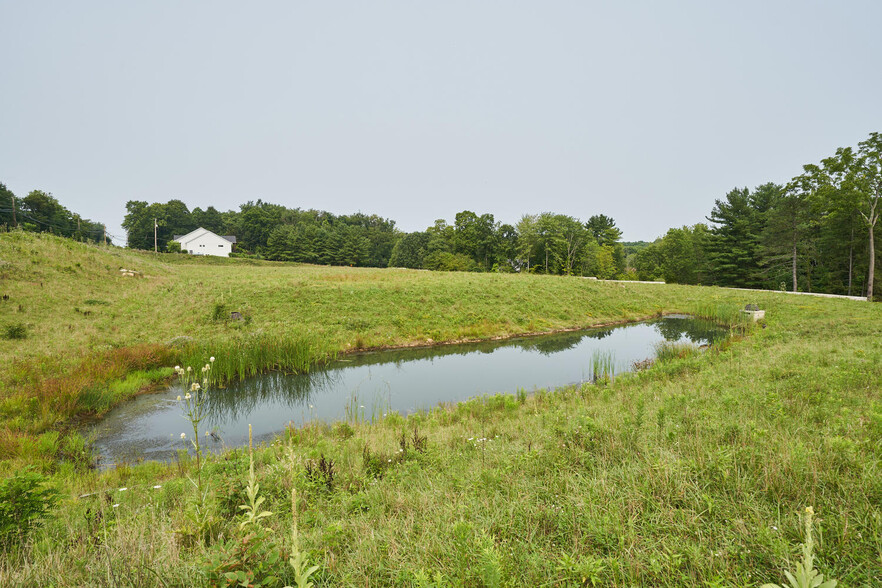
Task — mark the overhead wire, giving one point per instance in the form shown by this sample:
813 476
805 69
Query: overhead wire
71 231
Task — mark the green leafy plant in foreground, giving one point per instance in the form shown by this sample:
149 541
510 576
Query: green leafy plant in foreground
806 576
252 515
253 559
24 503
298 561
193 403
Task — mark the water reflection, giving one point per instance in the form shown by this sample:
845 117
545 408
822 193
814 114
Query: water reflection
371 384
682 328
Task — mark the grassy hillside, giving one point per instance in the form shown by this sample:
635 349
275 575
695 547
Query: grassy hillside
691 473
86 326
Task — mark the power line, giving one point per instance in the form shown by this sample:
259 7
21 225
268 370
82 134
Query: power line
58 227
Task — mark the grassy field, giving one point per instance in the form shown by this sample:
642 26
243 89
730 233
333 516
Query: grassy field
93 336
691 473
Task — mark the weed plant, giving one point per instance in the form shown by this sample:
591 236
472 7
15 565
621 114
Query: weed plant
15 331
25 501
251 557
805 575
196 389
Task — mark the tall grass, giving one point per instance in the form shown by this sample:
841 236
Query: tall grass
668 350
728 314
250 354
603 366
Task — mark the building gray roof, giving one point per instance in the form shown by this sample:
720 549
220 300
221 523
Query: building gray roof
230 238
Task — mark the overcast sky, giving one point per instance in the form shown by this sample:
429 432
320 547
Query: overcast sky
644 111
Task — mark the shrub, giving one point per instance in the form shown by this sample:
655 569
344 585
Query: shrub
220 312
24 503
15 331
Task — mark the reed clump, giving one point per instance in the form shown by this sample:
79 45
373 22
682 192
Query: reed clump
247 355
603 366
668 350
727 313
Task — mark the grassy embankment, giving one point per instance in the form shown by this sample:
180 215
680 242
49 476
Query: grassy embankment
689 473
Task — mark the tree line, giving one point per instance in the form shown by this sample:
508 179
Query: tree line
545 243
270 231
540 243
40 211
817 233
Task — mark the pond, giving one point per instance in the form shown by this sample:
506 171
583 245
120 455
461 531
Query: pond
370 384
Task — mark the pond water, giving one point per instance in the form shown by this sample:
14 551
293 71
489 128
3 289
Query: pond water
373 383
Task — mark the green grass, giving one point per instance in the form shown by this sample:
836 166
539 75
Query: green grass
668 350
691 473
89 326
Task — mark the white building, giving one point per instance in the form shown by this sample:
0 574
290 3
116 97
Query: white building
204 242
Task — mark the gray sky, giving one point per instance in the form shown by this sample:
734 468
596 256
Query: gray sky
644 111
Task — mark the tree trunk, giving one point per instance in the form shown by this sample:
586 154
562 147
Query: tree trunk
850 259
795 289
871 221
872 261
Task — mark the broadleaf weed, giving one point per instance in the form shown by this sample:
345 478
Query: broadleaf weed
805 575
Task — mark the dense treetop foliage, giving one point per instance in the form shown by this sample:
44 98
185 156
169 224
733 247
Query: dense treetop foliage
546 243
41 212
815 234
540 243
271 231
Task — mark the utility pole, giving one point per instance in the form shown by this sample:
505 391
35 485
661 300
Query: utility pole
155 226
14 222
105 234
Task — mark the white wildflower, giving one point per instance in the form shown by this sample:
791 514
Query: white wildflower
195 387
187 397
183 435
211 359
189 369
123 489
179 397
157 487
115 505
